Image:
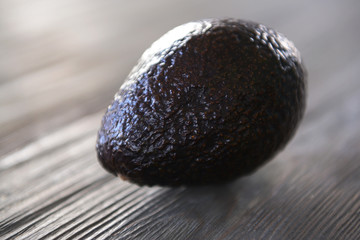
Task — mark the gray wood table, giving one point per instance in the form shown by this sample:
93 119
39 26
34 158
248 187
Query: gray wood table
61 62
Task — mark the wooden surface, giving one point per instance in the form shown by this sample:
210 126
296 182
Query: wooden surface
62 61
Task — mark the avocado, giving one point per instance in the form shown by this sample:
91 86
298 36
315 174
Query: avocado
208 102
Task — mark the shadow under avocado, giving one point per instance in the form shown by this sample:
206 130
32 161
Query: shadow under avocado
178 211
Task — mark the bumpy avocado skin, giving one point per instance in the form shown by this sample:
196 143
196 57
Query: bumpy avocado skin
208 102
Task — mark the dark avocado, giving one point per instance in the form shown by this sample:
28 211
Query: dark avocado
208 102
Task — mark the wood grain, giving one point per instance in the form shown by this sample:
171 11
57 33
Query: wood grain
62 61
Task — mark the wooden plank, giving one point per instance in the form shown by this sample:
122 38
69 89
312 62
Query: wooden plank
64 60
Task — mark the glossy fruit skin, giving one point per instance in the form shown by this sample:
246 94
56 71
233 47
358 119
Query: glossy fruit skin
208 102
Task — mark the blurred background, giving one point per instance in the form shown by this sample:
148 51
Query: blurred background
63 59
61 62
